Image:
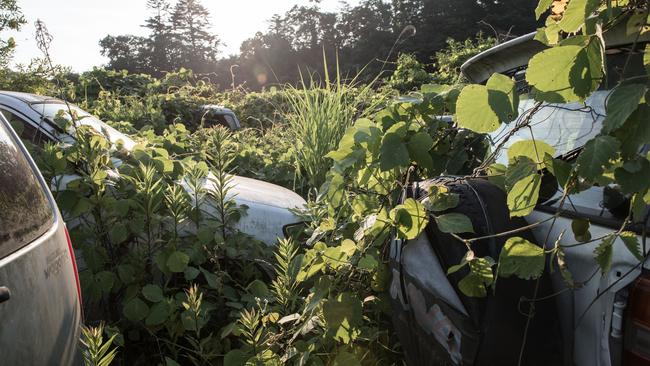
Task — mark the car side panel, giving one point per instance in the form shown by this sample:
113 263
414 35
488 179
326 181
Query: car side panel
40 323
587 311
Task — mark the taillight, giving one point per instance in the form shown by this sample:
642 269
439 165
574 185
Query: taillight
74 266
637 324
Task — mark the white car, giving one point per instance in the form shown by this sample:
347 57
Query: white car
605 320
269 206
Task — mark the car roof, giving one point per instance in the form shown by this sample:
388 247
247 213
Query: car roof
517 52
30 98
215 108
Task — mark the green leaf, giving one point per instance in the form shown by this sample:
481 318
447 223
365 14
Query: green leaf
560 169
576 14
418 147
105 280
152 293
344 358
503 97
235 357
212 279
580 229
342 316
542 7
631 242
393 152
535 150
621 103
596 156
524 195
497 175
118 234
518 168
135 309
158 314
191 273
521 258
454 223
440 199
603 254
646 58
475 283
633 176
177 261
483 108
170 362
565 73
410 218
126 273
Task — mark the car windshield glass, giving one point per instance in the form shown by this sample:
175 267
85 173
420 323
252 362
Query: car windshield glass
51 110
563 126
25 212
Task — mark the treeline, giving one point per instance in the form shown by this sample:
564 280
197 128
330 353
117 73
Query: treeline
365 37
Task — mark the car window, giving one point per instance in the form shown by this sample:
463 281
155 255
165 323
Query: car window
230 120
52 110
24 129
25 211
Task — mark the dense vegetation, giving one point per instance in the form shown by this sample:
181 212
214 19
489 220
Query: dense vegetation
365 36
176 283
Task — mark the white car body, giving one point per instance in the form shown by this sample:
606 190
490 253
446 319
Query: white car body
269 206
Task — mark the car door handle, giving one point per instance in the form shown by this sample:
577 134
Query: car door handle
5 294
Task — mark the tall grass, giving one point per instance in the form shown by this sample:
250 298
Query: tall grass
318 114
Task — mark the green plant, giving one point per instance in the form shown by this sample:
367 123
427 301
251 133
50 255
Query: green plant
317 117
409 74
97 351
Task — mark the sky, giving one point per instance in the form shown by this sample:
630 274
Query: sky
78 25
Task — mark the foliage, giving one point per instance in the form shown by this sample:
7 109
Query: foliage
409 74
448 60
317 116
97 351
362 35
11 19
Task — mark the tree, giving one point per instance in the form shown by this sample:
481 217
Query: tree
126 52
159 41
11 18
195 47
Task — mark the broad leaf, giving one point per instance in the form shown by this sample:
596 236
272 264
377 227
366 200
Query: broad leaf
596 155
523 196
152 293
418 147
479 278
454 223
135 309
542 7
342 316
603 254
580 229
177 261
483 108
576 14
393 152
565 73
521 258
410 218
631 242
621 103
535 150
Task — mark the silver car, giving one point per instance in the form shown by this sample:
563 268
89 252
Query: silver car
40 299
270 207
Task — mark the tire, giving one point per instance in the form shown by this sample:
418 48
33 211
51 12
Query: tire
490 330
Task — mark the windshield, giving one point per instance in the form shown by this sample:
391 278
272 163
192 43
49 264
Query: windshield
563 126
51 110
